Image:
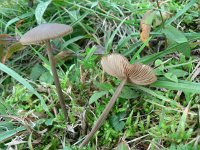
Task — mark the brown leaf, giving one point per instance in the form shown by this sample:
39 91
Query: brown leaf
12 49
4 38
63 56
144 35
146 16
146 25
1 52
19 23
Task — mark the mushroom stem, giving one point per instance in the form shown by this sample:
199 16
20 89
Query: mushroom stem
104 113
56 79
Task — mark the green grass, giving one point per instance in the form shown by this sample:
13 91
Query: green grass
144 117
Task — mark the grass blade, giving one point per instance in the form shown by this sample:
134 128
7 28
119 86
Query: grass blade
17 19
10 133
108 44
72 40
182 122
181 12
140 50
190 87
174 48
161 97
17 77
40 9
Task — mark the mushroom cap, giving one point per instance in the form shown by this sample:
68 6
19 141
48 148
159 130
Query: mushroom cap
118 66
115 65
140 74
45 32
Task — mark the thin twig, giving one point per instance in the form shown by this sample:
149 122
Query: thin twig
158 5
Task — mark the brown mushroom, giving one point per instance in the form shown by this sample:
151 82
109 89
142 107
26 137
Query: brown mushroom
118 66
43 34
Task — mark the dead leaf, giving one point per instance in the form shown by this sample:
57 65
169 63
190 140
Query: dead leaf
1 51
144 35
12 49
4 38
63 56
19 23
146 25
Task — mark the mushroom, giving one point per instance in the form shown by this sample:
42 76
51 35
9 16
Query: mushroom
43 34
118 66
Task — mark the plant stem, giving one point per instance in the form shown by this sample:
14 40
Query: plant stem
104 113
160 13
56 79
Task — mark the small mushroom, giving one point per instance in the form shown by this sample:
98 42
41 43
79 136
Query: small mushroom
118 66
43 34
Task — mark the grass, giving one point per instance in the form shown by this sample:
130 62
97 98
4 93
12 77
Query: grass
152 117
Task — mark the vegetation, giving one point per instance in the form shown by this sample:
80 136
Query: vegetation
163 115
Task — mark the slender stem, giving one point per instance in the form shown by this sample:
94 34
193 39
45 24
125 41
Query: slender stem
160 13
56 79
104 113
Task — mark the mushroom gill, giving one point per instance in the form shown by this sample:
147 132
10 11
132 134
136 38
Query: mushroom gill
115 65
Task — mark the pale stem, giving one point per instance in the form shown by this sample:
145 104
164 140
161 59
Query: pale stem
104 113
56 79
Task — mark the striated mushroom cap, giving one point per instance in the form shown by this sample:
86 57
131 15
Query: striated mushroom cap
115 65
141 74
118 66
45 32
